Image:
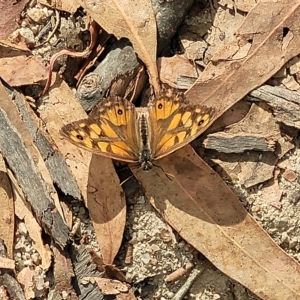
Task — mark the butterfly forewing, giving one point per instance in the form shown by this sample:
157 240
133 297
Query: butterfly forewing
107 130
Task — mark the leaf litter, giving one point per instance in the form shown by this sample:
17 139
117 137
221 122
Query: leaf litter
223 82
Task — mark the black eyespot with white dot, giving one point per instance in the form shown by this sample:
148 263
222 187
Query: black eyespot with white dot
160 106
79 137
120 111
200 122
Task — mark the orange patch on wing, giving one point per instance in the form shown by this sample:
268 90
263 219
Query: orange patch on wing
109 132
175 121
121 145
194 129
103 146
93 135
110 114
73 136
186 117
181 136
87 142
188 123
168 143
121 149
95 128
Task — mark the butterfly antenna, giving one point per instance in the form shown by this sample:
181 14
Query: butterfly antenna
125 180
168 175
133 167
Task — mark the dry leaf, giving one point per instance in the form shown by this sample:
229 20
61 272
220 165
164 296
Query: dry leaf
9 14
26 278
109 286
174 70
226 79
134 20
17 67
207 214
69 6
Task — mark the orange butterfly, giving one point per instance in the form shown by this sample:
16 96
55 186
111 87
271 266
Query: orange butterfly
117 129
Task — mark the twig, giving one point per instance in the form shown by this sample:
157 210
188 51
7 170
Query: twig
189 282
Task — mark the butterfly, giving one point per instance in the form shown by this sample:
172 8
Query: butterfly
117 129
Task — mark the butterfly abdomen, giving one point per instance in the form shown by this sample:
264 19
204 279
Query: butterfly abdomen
144 130
145 153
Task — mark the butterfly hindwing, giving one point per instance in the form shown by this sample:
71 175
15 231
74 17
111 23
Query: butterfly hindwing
106 130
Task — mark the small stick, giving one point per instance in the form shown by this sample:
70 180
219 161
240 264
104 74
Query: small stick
195 273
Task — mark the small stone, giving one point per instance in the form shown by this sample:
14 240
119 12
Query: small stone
24 24
64 295
32 3
22 228
81 211
48 12
27 34
256 208
154 248
140 236
170 295
35 29
28 248
145 258
36 258
289 175
28 263
37 15
76 209
20 243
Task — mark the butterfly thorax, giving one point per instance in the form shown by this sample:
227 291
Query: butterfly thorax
145 160
145 155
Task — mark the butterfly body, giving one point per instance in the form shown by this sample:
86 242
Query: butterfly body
117 129
145 155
